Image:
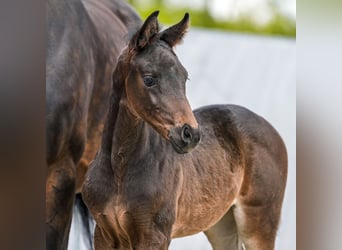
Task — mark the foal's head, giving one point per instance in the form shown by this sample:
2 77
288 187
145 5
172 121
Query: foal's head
155 83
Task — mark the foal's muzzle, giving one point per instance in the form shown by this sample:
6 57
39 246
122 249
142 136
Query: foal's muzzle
184 139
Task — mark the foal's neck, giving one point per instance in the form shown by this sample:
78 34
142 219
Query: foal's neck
130 133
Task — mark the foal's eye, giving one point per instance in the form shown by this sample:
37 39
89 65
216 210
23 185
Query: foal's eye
149 81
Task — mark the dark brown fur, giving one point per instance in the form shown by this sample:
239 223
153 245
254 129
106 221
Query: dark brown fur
153 180
84 39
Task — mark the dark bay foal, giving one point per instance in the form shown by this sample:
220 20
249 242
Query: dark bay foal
164 171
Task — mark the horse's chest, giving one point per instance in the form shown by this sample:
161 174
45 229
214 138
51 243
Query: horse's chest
195 219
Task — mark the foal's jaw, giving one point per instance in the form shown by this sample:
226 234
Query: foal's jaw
183 138
178 126
183 135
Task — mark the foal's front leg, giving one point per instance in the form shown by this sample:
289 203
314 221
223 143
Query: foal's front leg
103 241
154 240
150 241
151 230
135 231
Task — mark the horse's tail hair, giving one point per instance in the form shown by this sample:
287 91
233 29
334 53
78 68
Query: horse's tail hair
82 227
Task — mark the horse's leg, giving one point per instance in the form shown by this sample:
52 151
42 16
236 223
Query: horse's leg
155 240
223 235
257 226
151 236
101 242
60 190
257 210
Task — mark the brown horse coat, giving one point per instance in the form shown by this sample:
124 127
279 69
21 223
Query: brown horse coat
84 39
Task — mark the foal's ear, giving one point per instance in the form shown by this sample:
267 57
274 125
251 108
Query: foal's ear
149 30
175 33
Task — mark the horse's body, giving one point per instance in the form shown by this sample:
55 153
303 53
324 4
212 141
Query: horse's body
151 182
84 39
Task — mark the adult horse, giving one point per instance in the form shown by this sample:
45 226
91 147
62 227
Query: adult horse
84 39
164 171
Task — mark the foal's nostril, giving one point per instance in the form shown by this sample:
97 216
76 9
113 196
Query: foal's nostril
186 133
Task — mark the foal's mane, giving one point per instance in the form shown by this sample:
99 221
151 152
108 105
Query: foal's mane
119 76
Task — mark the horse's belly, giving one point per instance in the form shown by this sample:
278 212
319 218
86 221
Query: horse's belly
200 218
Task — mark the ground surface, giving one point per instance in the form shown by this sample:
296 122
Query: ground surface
258 73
